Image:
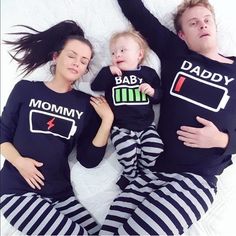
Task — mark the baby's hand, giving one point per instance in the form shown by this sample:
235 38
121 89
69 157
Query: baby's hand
147 89
115 70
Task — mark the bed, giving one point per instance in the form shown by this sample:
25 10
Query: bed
100 18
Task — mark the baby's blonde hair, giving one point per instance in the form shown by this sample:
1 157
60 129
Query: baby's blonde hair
134 35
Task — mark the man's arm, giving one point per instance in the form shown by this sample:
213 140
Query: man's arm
158 37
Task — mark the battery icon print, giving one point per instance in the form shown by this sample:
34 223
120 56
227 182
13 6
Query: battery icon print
49 123
128 95
199 92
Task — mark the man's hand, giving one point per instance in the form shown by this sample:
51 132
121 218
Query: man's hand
206 137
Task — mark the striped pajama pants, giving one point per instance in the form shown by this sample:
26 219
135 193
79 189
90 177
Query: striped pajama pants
34 215
137 151
159 204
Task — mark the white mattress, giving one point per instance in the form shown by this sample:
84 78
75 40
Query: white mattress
100 18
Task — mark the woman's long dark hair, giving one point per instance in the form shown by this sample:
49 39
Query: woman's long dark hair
36 48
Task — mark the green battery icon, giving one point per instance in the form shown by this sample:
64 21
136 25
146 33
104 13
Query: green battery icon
129 95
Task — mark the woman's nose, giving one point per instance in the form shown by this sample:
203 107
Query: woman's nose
75 64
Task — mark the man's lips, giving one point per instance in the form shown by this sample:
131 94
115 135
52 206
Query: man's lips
204 35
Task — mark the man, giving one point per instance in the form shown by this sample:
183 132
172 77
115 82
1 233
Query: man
197 124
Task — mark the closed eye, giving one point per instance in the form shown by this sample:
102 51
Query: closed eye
85 61
71 56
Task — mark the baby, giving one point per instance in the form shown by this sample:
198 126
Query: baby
131 89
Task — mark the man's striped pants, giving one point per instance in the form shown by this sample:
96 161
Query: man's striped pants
159 204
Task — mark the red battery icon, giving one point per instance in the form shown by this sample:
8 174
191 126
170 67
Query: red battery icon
199 92
49 123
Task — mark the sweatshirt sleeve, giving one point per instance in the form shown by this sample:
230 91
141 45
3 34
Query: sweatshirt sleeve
156 84
231 147
102 80
10 114
87 154
159 38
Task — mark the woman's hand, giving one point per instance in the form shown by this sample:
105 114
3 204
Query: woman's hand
102 108
104 111
28 168
208 136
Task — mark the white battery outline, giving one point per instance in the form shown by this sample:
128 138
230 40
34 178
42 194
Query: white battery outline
127 103
222 103
72 130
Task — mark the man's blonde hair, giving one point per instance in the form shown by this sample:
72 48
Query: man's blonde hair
134 35
189 4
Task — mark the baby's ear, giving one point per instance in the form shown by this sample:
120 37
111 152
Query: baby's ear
141 54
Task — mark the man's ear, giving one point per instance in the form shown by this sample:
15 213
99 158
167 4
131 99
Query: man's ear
181 34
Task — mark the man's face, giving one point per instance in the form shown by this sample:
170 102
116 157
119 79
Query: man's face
199 30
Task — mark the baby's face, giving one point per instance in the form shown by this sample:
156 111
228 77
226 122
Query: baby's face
126 53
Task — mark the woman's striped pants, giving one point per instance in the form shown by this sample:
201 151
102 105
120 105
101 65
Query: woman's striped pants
159 204
137 151
34 215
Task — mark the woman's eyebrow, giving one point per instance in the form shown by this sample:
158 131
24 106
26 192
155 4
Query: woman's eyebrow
77 54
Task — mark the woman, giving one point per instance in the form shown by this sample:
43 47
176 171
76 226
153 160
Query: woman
40 125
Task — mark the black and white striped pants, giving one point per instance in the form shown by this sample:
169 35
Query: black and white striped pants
159 204
137 151
34 215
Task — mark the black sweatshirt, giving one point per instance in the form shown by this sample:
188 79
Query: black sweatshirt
193 85
45 126
132 109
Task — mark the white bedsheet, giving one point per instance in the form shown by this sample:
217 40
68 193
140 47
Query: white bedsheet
100 18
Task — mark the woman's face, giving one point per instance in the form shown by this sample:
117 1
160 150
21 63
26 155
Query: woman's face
72 62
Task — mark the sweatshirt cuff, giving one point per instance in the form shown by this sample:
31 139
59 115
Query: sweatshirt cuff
94 156
231 147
